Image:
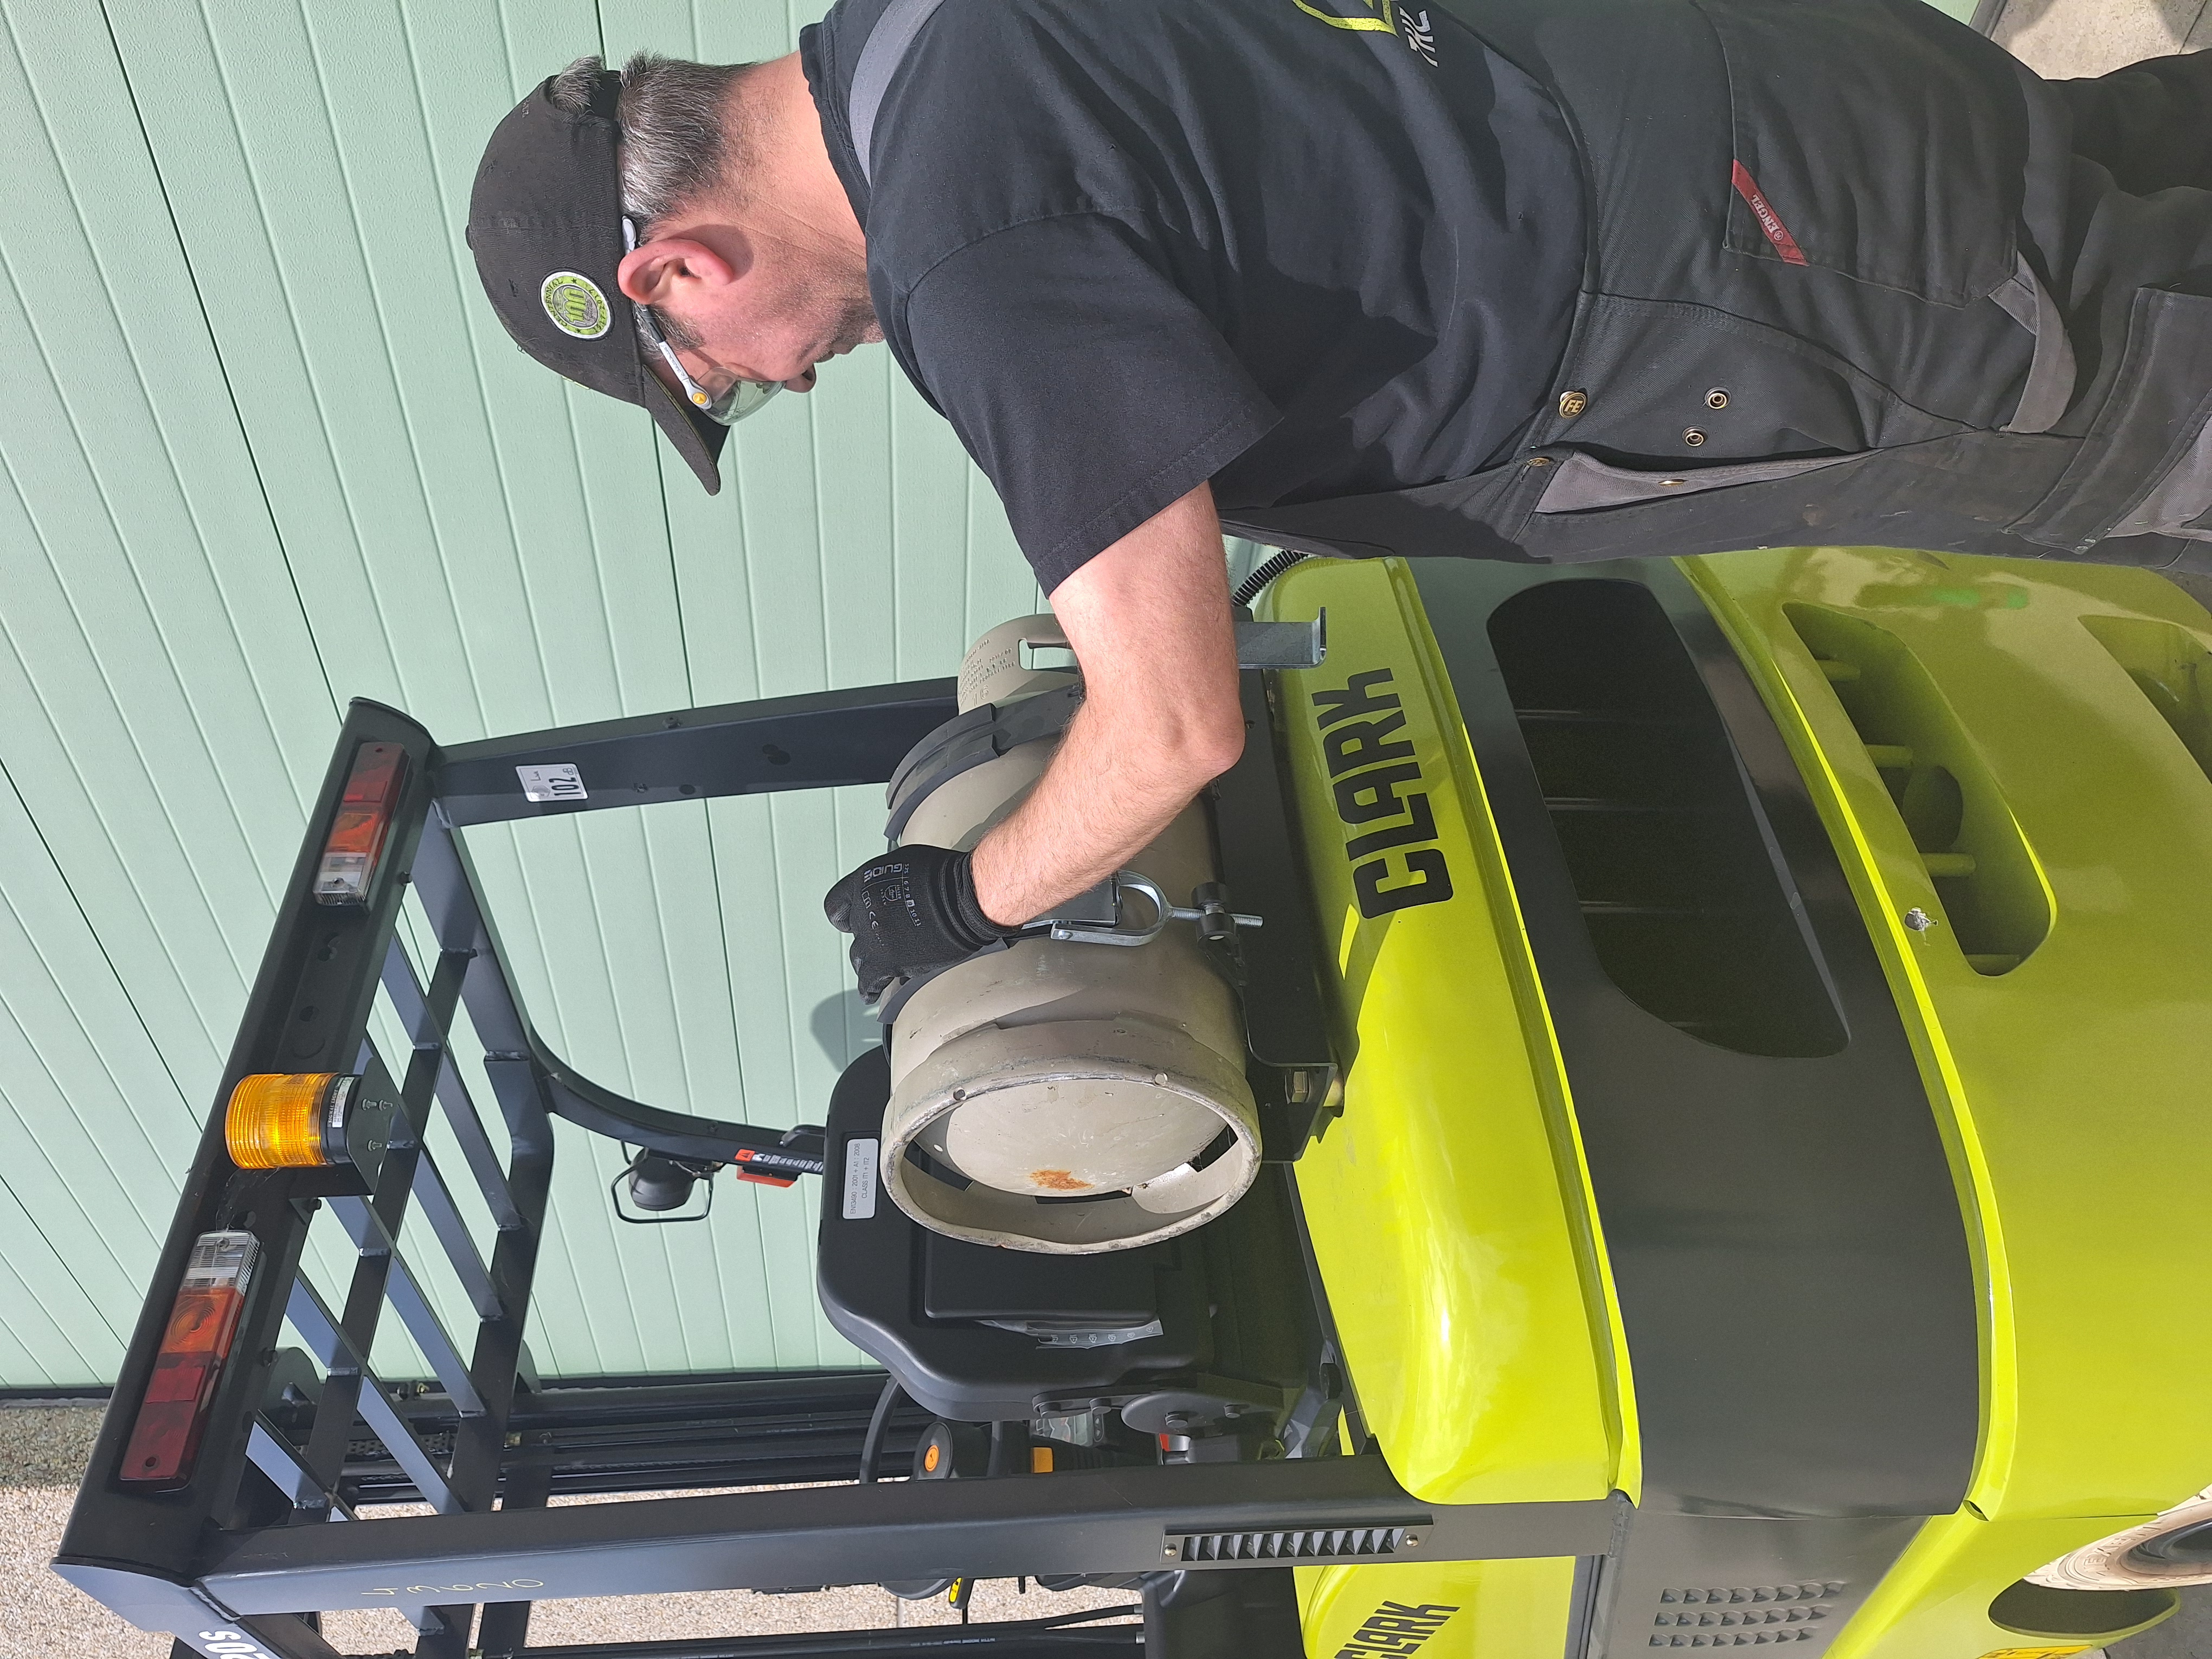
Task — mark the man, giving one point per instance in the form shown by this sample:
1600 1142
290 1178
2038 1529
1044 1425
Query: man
1529 279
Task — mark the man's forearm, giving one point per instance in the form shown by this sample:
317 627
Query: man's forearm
1095 807
1149 621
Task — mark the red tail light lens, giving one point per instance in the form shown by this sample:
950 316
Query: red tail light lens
363 824
765 1177
165 1441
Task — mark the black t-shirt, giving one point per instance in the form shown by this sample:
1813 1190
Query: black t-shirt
1304 250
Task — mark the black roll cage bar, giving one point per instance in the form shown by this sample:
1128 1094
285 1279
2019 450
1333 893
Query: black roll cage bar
238 1563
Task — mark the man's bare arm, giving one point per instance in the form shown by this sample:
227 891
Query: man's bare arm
1149 622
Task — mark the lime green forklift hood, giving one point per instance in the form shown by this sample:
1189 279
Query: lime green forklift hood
2012 765
1448 1204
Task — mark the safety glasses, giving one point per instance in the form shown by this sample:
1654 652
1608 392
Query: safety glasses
729 407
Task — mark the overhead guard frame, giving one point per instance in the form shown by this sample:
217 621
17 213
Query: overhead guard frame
237 1562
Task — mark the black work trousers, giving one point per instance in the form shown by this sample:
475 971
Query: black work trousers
2149 125
1954 306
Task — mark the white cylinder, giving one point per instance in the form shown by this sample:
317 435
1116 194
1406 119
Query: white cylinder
1066 1096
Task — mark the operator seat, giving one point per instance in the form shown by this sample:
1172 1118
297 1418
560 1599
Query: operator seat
980 1334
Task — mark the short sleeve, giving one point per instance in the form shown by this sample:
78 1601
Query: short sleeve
1089 388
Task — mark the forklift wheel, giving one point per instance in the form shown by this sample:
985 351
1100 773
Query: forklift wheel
918 1589
2175 1548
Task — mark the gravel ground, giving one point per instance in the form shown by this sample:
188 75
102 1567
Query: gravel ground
43 1452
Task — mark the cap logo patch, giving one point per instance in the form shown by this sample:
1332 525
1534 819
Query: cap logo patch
575 305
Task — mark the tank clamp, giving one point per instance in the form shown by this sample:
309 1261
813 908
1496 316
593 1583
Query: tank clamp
1099 916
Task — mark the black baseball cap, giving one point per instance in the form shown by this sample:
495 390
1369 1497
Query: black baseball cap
545 223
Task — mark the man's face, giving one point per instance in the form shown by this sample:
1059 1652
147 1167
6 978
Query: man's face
736 308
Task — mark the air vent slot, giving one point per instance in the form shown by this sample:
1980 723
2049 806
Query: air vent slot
1306 1544
2171 668
1673 870
1991 890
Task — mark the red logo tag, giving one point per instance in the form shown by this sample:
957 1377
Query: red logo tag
1769 220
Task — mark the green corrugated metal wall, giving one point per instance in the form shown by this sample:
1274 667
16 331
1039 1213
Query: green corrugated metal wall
265 449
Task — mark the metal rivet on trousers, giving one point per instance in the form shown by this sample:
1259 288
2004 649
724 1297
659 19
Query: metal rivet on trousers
1539 460
1717 397
1573 404
1694 437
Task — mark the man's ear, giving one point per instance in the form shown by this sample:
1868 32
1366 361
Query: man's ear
671 270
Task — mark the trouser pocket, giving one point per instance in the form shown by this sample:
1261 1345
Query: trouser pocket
1582 484
1873 138
2146 467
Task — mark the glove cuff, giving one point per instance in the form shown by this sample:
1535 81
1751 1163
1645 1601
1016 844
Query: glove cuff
965 911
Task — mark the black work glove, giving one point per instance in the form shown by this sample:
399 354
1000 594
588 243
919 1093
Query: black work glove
911 909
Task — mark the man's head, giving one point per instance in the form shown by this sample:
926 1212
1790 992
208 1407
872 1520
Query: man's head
673 236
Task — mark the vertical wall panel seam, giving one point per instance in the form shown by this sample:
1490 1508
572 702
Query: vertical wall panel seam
583 858
968 556
313 388
669 968
90 1227
61 1089
750 540
70 1178
476 357
115 528
621 1043
383 331
31 1288
676 578
91 800
745 554
760 1226
553 1231
622 704
99 943
821 545
92 470
88 633
544 950
591 534
222 371
506 45
898 543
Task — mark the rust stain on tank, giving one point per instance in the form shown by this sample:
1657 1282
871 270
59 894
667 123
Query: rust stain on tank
1058 1181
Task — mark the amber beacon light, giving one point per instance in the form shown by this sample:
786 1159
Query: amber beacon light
288 1120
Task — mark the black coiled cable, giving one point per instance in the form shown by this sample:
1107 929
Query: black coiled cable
1265 572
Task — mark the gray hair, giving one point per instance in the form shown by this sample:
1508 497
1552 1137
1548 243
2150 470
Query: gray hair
682 136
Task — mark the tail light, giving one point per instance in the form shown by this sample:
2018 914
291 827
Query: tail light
763 1175
165 1441
308 1120
362 825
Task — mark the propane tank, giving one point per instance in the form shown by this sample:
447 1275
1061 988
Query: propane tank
1067 1094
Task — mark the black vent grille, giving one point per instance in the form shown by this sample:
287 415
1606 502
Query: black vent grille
1662 837
1305 1544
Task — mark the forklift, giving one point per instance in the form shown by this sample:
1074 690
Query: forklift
1660 1106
